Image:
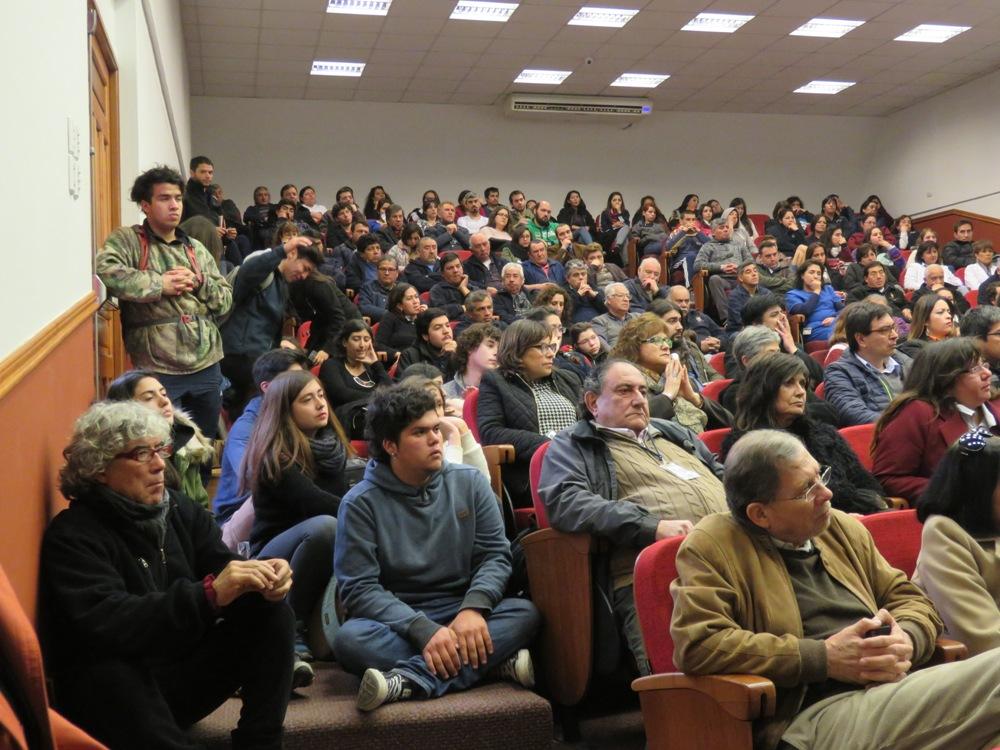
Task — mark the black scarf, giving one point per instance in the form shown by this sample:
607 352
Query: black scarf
151 520
328 452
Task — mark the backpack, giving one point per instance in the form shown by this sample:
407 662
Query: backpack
231 278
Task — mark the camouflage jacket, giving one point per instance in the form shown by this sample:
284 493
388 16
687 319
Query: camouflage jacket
176 335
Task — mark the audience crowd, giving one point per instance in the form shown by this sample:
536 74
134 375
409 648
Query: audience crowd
349 360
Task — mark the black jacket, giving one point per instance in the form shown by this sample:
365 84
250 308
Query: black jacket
503 305
387 238
787 239
854 489
481 277
198 201
507 416
447 241
292 498
578 216
422 276
395 333
448 298
324 304
422 352
341 387
107 590
958 254
892 292
354 273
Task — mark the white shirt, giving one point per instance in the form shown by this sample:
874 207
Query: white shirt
968 416
977 273
472 223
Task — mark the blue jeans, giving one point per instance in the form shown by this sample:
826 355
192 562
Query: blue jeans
582 235
199 394
308 547
362 643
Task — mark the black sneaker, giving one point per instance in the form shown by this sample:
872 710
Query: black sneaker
302 674
378 688
517 668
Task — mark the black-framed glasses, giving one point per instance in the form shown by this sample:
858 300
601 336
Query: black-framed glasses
144 454
825 472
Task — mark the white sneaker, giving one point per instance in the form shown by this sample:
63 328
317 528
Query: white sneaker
378 688
517 668
302 674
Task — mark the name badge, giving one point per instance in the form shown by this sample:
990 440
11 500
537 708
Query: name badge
680 472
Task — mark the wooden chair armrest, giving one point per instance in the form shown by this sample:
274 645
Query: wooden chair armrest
745 697
382 356
795 323
698 286
499 454
897 503
947 650
559 572
349 293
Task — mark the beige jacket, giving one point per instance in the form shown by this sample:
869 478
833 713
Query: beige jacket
962 577
735 611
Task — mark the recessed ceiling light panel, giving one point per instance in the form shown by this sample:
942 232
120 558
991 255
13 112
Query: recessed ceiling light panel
547 77
639 80
833 28
933 33
611 18
720 23
824 87
337 68
473 10
359 7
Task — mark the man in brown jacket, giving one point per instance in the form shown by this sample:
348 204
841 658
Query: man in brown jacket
787 588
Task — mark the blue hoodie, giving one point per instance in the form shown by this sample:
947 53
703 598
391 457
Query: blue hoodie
400 547
227 495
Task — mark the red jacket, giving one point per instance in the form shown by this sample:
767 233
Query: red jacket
913 443
22 661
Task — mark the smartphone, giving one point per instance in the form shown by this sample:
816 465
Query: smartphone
880 630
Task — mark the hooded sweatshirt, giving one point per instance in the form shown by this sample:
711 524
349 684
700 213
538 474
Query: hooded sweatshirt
401 547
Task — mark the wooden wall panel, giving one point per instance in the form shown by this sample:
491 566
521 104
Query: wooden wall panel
46 385
943 222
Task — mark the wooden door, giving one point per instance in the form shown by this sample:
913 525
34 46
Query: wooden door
105 201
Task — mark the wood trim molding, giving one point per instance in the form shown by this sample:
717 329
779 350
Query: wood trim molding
957 212
32 352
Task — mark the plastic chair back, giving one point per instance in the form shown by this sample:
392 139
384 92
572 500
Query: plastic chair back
534 475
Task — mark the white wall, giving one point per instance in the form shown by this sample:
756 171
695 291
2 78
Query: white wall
942 152
410 147
47 261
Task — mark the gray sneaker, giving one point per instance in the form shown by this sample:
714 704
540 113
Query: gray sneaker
517 668
378 688
302 674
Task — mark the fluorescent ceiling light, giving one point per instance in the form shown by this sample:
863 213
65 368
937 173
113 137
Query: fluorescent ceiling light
824 87
834 28
724 23
639 80
337 68
474 10
929 32
359 7
611 18
529 75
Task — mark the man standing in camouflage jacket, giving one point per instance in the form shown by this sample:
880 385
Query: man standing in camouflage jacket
170 292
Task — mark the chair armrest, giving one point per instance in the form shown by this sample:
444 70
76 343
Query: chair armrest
559 573
947 650
795 323
698 285
898 503
382 356
499 454
745 697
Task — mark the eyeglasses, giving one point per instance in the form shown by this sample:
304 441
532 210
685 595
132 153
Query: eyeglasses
979 367
546 348
144 454
658 340
809 495
884 330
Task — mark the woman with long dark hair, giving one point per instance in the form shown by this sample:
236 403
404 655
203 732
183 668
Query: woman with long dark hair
818 302
574 212
377 198
351 377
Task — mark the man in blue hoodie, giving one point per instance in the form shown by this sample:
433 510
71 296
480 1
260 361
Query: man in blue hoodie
422 564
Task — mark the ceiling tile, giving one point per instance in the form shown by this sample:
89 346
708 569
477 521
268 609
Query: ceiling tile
298 52
228 64
273 19
280 92
300 37
218 90
228 17
245 51
380 95
227 34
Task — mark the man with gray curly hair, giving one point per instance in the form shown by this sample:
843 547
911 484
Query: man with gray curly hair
150 622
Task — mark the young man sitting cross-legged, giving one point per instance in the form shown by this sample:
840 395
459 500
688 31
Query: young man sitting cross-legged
422 563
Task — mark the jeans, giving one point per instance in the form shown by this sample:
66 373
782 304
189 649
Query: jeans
147 702
199 394
583 236
308 547
363 643
628 623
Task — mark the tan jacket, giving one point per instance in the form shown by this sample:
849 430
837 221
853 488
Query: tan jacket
735 610
962 577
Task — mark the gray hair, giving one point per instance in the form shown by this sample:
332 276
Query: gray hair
650 259
614 287
751 341
575 265
977 322
104 431
596 379
515 267
719 222
753 469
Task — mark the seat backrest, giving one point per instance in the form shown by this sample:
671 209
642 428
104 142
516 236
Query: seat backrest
470 412
714 388
655 570
718 363
859 437
832 356
820 390
972 297
534 475
713 439
815 346
819 355
425 297
960 274
897 536
360 447
303 333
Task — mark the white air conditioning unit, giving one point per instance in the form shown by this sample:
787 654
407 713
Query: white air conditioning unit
565 104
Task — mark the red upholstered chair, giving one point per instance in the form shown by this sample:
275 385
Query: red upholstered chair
425 297
832 356
360 447
495 454
534 475
303 333
718 363
470 408
454 324
714 388
759 220
972 297
463 255
815 346
713 438
718 711
960 274
859 437
375 329
820 390
819 355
